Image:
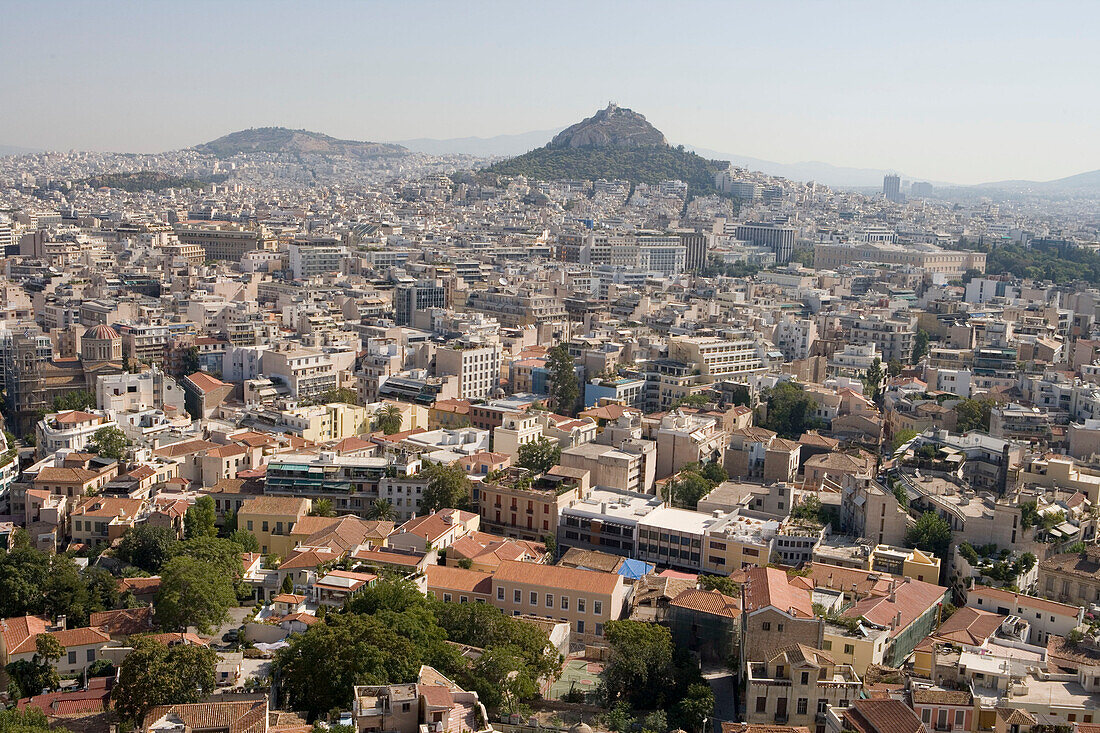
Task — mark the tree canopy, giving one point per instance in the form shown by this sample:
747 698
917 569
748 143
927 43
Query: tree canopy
147 546
200 519
156 674
645 670
539 455
388 419
932 534
973 414
790 411
109 442
194 592
448 487
564 384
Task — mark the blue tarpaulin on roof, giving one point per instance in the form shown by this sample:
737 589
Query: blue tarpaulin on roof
635 569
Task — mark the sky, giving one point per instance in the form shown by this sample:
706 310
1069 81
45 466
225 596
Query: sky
963 92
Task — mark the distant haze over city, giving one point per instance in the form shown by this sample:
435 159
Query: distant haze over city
954 93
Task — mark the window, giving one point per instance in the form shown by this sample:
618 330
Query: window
564 603
447 597
91 655
597 608
926 716
849 649
517 596
599 629
761 704
500 593
463 599
766 626
802 705
960 715
580 626
823 705
249 525
72 657
827 646
549 600
580 605
263 527
779 628
805 679
534 598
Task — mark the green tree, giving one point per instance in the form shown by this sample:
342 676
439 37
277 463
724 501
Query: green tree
147 547
639 667
200 519
539 455
501 679
155 674
193 593
973 414
894 368
873 380
901 438
932 534
30 677
102 588
388 419
109 442
190 364
551 545
80 399
686 490
288 584
66 592
810 508
564 384
23 574
223 554
30 720
721 583
448 488
695 707
713 472
340 394
741 395
920 345
381 509
322 508
791 411
246 540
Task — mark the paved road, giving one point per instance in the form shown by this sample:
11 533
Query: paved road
236 617
725 697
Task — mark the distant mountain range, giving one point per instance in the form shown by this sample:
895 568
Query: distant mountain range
509 145
301 142
16 150
1080 183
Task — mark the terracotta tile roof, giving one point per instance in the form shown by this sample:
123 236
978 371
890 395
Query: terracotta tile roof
708 601
108 506
437 696
289 598
433 526
226 451
769 587
184 448
95 699
290 506
54 474
341 534
142 472
20 633
72 417
882 716
555 576
84 636
798 653
970 626
866 582
443 578
389 557
138 586
308 558
178 637
124 621
204 382
755 434
817 440
1017 716
233 716
1082 565
306 618
911 598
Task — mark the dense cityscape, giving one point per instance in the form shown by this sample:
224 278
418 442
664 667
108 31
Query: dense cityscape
310 434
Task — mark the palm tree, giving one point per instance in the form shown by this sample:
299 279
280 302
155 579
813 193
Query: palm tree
322 508
381 509
388 419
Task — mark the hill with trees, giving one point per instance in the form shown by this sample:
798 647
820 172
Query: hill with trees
295 142
133 182
615 143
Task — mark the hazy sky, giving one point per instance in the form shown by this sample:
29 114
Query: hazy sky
953 91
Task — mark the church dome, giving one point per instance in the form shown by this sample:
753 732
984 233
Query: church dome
101 333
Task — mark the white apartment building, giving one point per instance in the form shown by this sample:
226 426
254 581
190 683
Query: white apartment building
739 354
304 371
478 369
795 337
308 259
517 429
70 430
127 392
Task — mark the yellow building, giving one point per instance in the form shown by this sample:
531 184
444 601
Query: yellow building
272 520
854 648
909 563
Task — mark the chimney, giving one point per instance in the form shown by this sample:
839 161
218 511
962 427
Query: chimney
897 620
